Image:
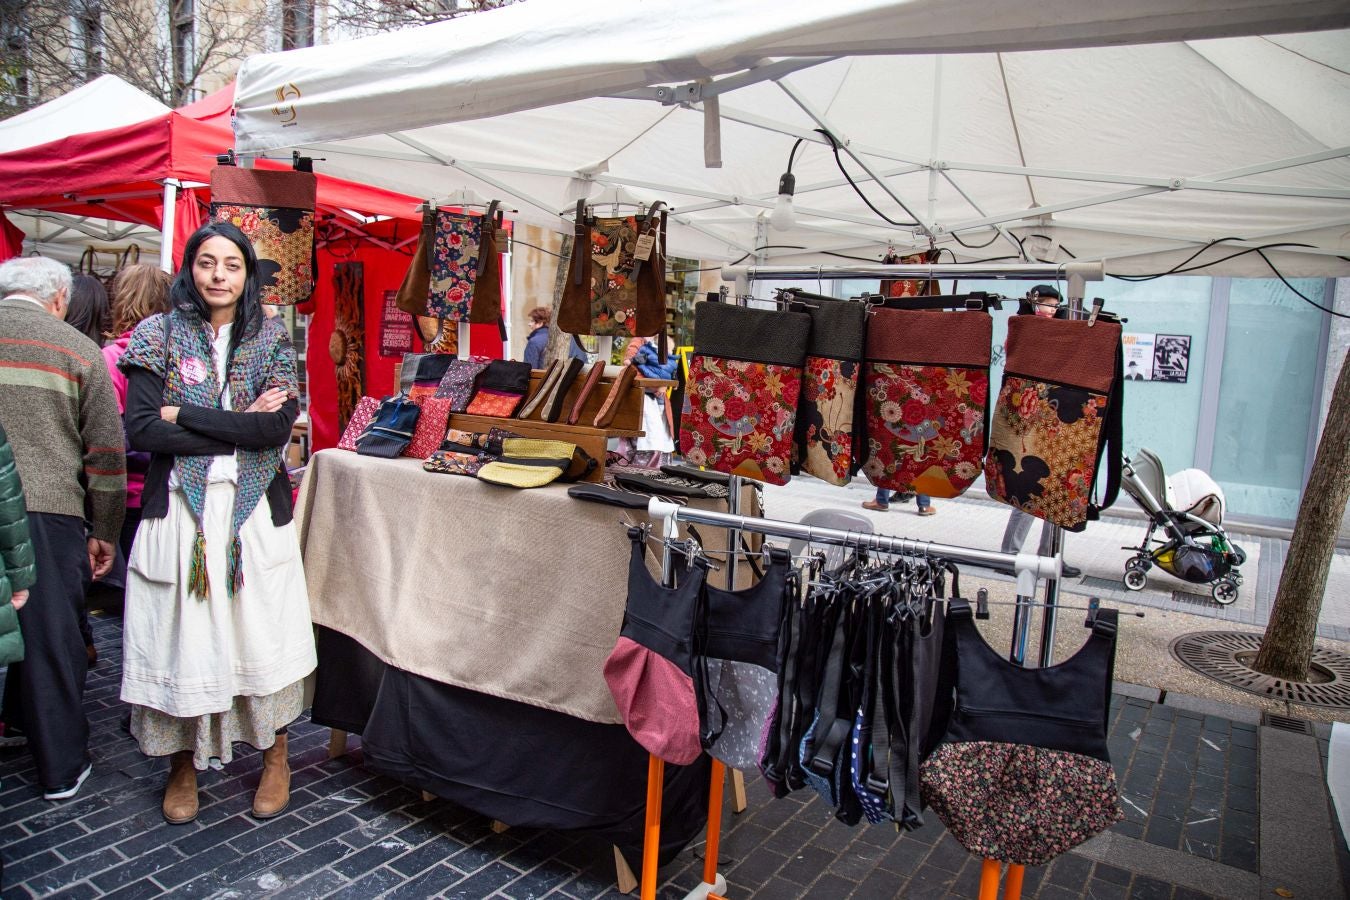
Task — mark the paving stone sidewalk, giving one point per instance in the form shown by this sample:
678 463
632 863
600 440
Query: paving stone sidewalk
1189 783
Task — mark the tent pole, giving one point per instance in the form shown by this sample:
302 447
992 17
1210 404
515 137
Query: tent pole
166 226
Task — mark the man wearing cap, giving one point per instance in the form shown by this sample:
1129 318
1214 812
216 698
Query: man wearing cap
1042 300
59 409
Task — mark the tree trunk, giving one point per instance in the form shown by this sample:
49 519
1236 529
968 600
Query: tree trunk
1286 649
559 341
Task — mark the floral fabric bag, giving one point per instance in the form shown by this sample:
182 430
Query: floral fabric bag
745 377
825 441
615 281
361 418
1060 406
927 376
459 381
275 210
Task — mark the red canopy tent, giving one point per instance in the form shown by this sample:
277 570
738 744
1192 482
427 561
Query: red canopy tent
133 173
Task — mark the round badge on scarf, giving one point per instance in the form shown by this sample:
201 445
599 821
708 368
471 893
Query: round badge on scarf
194 370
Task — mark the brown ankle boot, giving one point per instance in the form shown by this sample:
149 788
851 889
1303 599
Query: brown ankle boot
274 790
180 794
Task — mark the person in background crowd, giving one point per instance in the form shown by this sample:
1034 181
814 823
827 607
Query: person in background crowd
138 292
884 498
537 341
18 571
58 405
88 312
1042 300
217 638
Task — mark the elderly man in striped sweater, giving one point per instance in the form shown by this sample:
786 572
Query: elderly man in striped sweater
58 407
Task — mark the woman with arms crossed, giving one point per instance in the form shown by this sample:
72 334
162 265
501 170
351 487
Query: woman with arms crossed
217 637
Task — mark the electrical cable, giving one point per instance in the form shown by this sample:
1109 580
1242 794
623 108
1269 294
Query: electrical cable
956 237
834 145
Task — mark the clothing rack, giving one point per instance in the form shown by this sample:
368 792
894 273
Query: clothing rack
667 517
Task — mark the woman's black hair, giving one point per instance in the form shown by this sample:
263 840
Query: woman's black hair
87 309
248 314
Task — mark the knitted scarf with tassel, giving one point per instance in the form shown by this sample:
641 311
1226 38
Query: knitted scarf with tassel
188 366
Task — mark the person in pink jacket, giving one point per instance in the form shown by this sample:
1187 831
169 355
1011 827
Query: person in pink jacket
138 292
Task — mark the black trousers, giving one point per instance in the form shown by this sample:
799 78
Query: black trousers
44 694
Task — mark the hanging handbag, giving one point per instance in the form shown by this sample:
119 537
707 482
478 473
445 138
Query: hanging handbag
826 418
1023 773
910 287
927 376
462 246
740 408
390 432
1060 406
275 210
615 277
651 669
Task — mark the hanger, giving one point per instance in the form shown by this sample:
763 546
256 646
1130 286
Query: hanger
614 197
464 198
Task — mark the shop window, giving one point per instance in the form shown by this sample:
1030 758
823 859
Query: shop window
1272 370
183 30
87 25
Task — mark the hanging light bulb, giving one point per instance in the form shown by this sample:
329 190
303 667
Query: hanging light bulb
783 216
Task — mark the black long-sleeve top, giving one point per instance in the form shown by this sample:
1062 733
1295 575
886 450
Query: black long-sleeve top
200 431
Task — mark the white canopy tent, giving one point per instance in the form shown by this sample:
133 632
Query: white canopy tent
1135 131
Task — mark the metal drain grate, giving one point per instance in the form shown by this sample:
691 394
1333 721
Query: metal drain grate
1101 584
1224 657
1286 723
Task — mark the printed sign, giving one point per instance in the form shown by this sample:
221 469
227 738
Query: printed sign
1157 357
1138 356
396 328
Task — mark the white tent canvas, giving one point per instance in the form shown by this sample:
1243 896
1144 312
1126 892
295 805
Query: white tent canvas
1136 132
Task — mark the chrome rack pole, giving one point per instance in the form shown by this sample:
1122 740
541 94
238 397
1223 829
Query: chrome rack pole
733 508
1051 614
1086 271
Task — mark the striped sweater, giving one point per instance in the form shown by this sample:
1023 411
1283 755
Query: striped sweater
59 410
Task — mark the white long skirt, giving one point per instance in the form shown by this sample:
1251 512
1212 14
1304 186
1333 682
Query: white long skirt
187 656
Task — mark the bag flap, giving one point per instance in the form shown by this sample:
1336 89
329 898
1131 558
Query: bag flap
755 335
263 187
930 337
838 328
1063 351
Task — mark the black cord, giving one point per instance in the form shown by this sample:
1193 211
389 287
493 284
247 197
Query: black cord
792 153
956 237
834 145
1280 276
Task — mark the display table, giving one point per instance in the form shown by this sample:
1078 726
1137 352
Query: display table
463 628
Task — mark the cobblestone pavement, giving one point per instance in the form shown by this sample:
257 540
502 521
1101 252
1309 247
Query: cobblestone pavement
1189 783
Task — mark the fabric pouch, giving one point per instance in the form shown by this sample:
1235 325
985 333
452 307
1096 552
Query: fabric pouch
390 432
647 481
365 411
460 378
456 462
615 281
531 462
501 389
825 433
740 406
275 210
650 671
927 399
430 429
1060 406
423 370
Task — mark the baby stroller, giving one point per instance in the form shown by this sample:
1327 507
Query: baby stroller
1196 549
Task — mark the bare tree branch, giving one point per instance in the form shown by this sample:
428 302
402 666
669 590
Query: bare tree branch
359 18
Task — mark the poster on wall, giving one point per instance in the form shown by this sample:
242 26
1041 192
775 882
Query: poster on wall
1138 356
396 328
1171 357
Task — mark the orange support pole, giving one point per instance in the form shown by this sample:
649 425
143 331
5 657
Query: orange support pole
719 774
1012 885
989 880
651 837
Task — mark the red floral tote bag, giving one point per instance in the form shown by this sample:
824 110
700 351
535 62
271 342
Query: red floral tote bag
275 210
825 433
927 399
1060 406
745 378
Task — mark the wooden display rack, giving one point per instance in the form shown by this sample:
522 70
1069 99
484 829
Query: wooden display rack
627 421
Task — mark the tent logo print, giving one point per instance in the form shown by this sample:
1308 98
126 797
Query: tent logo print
286 113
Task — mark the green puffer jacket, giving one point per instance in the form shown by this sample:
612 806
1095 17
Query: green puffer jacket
19 570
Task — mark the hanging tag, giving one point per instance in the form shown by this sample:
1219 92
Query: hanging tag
644 246
1097 304
500 236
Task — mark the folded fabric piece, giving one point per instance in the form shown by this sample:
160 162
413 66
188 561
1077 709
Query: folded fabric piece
617 390
650 482
596 493
430 430
587 388
361 416
683 471
557 395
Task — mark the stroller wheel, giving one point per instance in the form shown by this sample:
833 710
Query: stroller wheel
1137 562
1224 591
1135 579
